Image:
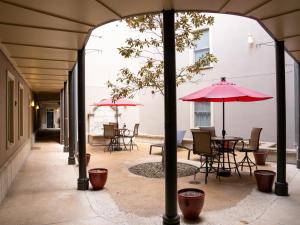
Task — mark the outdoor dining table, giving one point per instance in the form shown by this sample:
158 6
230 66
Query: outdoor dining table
225 171
120 133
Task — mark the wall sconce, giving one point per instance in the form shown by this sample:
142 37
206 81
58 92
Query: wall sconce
32 103
250 40
37 107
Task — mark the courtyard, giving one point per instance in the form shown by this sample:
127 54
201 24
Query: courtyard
44 192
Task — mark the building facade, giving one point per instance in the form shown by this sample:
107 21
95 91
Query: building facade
249 64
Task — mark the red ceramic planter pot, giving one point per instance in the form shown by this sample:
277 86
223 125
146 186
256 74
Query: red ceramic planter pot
191 201
260 157
87 158
98 177
264 180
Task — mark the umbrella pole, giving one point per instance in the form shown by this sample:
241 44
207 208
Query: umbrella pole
117 115
223 130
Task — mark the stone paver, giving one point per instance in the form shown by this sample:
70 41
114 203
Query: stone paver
44 192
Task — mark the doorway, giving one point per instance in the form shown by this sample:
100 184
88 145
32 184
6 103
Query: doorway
50 118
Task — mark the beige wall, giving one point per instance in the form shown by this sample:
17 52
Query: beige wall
6 152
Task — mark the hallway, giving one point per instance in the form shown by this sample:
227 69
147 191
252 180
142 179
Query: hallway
44 192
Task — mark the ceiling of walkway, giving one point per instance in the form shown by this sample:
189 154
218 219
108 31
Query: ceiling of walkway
42 37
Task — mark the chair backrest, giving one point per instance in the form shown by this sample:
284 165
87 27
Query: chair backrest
180 136
109 130
136 129
115 124
254 138
212 130
201 142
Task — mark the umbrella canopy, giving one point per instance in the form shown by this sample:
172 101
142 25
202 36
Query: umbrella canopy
119 102
225 91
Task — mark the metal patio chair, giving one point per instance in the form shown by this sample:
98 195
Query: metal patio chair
251 147
110 134
202 146
180 136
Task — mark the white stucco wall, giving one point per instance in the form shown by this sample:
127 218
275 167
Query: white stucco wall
103 66
249 66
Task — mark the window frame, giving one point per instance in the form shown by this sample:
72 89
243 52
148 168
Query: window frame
192 115
10 141
20 111
195 49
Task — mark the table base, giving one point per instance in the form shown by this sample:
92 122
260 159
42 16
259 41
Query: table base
224 173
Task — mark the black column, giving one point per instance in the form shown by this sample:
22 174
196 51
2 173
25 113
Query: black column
66 118
83 182
171 215
71 159
61 120
297 111
281 186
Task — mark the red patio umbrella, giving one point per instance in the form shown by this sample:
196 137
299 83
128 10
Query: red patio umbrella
224 91
119 102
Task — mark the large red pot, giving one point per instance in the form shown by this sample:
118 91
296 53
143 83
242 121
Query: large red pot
98 177
260 157
87 158
191 201
264 180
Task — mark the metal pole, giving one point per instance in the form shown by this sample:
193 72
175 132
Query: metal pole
171 215
281 186
223 130
117 116
297 111
75 105
66 118
71 159
83 181
61 120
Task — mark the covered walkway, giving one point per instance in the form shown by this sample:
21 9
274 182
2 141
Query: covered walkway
44 192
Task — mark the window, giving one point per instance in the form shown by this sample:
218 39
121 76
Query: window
10 109
21 110
202 45
202 114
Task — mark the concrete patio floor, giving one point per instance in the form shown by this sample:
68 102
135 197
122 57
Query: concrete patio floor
44 192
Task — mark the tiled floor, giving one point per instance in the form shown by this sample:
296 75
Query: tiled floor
44 192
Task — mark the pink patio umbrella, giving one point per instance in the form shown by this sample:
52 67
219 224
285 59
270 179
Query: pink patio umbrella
119 102
224 91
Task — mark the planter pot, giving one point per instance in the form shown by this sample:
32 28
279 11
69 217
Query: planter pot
264 180
87 158
191 202
260 157
98 177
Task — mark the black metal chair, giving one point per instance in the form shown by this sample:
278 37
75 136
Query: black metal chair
251 147
212 132
202 146
131 135
110 133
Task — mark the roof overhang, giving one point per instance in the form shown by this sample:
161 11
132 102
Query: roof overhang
42 37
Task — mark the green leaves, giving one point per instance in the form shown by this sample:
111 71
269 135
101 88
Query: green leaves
188 29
